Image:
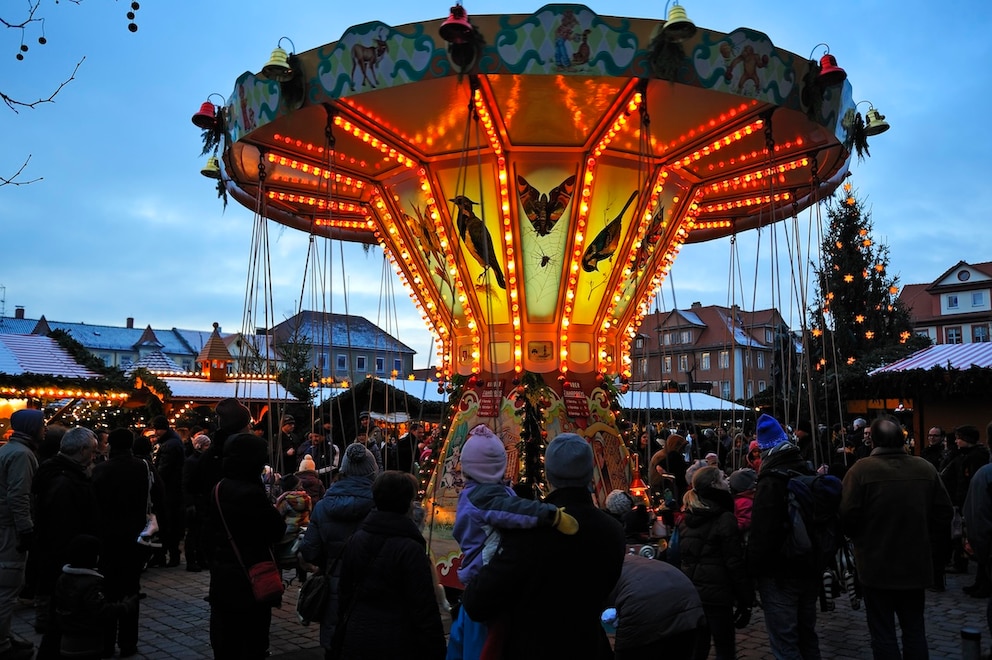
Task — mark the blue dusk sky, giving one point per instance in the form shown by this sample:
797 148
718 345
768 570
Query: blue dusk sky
121 223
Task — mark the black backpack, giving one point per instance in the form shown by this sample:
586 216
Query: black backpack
813 517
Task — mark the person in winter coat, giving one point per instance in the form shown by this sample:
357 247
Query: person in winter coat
893 508
789 586
956 475
669 460
388 607
18 465
657 612
195 505
121 485
170 454
83 609
65 506
712 557
239 626
486 506
310 480
742 484
333 520
551 588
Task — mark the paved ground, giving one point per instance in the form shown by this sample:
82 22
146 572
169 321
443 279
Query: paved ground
174 623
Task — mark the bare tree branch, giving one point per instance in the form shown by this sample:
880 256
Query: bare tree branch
12 180
13 104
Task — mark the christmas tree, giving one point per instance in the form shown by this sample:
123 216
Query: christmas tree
857 323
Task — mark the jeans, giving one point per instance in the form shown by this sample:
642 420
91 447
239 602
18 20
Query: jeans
882 606
789 606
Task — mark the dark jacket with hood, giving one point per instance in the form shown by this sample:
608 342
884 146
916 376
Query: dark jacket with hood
65 506
770 517
18 465
711 550
388 606
254 523
333 521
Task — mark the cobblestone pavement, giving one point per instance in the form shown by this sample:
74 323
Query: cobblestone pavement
174 619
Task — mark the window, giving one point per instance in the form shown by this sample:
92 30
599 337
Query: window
761 360
108 359
360 363
747 359
750 389
187 364
725 389
342 362
979 333
769 336
642 366
685 337
683 363
724 360
704 362
978 299
668 339
761 386
126 361
380 365
398 365
952 335
952 301
667 365
322 361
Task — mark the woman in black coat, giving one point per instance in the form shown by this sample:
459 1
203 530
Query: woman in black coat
239 626
388 607
713 558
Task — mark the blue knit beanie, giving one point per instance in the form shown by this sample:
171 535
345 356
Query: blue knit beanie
770 433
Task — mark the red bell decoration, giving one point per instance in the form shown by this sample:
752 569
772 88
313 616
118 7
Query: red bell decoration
830 73
456 29
206 117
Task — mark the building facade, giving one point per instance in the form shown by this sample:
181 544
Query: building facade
956 308
726 352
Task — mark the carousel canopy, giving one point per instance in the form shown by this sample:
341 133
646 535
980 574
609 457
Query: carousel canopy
687 401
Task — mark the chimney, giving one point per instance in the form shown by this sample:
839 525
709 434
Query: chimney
130 322
260 331
19 312
697 304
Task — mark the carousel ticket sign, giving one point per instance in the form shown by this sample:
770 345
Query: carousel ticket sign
490 399
576 403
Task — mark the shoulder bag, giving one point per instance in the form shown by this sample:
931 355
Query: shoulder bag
265 577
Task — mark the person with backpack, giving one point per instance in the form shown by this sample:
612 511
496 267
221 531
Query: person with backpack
788 584
895 509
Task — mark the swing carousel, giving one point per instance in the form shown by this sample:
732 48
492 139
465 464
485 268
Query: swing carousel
532 179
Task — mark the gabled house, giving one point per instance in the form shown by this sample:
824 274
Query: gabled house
724 351
956 308
345 347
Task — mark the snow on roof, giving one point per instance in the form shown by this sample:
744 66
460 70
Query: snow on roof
34 354
677 401
197 389
954 356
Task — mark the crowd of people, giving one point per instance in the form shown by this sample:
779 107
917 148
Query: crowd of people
83 513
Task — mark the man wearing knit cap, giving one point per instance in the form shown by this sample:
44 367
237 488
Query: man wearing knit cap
18 465
548 588
789 586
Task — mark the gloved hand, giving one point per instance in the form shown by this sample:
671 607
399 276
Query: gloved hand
25 541
742 617
565 523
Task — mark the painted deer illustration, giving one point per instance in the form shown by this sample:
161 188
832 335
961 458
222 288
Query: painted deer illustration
367 58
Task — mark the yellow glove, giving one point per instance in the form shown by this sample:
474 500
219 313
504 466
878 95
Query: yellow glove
565 523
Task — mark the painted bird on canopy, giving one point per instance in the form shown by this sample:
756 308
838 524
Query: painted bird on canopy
606 241
476 238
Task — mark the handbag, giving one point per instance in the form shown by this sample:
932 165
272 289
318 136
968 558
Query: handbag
265 577
149 535
316 592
